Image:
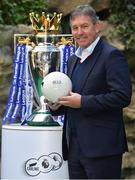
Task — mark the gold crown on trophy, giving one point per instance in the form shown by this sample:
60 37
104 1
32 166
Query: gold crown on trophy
45 24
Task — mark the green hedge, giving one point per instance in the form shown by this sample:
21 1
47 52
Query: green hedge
17 11
122 16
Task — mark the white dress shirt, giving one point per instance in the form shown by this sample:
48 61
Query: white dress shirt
84 53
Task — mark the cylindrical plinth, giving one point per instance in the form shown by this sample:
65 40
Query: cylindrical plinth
32 152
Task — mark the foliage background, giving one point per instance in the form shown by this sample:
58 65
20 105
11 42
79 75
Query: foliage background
14 12
122 16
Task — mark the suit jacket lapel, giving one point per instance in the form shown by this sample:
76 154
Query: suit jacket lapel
93 58
92 61
71 65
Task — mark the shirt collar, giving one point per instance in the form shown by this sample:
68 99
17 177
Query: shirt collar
89 49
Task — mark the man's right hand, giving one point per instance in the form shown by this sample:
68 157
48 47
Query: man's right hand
53 106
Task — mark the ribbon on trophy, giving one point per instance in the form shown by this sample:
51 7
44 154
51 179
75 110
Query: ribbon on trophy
13 88
18 93
19 85
65 52
27 90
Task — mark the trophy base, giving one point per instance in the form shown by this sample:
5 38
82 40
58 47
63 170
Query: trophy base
50 123
41 119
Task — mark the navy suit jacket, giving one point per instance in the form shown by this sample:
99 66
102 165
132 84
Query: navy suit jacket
105 90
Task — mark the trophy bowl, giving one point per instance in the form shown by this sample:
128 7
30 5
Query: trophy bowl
44 59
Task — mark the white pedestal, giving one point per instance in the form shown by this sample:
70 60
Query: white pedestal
30 152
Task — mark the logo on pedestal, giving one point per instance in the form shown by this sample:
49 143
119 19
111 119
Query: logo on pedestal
44 164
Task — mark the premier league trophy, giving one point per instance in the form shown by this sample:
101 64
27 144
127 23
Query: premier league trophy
45 58
36 56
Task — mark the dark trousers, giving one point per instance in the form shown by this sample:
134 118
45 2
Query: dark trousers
81 167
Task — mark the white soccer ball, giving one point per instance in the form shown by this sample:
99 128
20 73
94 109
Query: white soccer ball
55 85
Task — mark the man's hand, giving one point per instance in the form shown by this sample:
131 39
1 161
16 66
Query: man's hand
72 100
53 106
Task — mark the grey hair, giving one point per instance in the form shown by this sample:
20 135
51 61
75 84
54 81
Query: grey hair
84 10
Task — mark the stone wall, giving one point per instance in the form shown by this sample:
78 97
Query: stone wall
66 7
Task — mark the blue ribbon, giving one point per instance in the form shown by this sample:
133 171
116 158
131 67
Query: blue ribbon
23 104
19 85
66 53
27 91
68 50
13 88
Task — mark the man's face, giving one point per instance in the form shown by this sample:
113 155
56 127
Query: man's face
84 30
